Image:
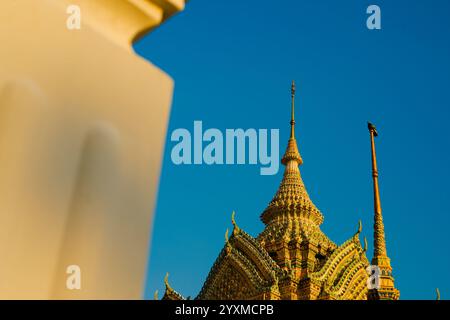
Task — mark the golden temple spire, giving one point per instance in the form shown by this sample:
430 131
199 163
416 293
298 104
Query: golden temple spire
235 226
379 237
292 153
292 197
387 291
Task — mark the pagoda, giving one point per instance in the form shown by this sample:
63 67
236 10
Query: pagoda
292 259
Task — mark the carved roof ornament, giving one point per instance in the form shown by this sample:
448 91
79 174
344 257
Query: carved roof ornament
170 294
292 153
292 198
166 281
233 221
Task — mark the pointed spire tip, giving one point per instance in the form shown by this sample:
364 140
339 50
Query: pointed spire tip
293 110
372 128
292 150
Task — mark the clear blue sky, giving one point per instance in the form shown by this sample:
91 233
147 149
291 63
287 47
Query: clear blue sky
233 62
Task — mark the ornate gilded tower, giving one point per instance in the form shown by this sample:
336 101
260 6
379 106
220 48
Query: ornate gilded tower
386 289
291 259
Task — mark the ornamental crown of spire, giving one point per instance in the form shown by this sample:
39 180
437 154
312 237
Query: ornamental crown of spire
292 198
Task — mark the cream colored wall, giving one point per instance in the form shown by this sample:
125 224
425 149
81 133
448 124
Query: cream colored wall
82 127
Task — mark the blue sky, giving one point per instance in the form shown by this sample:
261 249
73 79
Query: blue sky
233 61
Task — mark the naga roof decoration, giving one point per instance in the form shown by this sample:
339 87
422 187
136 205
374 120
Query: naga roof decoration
170 294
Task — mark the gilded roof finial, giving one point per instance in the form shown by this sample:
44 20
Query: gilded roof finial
380 257
357 233
226 236
155 296
292 153
379 237
293 109
233 221
365 244
166 282
438 294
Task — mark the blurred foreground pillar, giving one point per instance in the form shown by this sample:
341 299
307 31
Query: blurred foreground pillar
83 121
